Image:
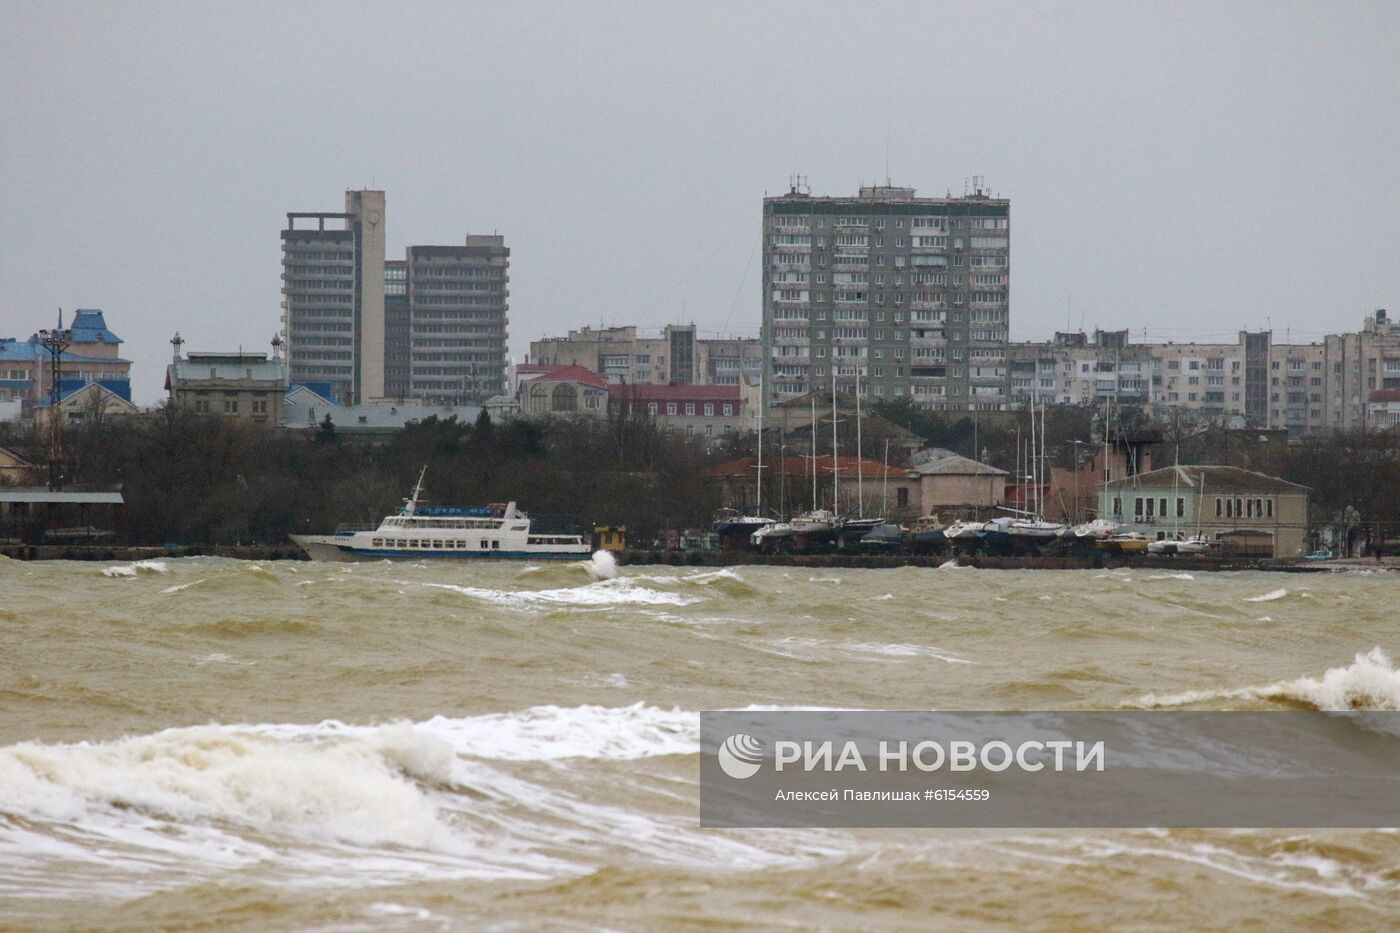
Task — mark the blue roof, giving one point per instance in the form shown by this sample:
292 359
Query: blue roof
90 327
66 387
29 350
16 350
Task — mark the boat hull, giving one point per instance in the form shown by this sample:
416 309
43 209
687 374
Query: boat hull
332 548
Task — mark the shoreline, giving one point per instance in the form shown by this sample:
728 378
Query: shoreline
734 558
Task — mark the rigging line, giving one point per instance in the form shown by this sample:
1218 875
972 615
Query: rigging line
742 281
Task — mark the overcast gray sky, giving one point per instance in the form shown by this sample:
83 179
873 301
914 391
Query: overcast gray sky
1189 169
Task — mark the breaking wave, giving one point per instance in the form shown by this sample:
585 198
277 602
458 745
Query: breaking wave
1370 682
140 566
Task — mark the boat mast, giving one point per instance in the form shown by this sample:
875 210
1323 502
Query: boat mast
814 449
1040 489
411 502
835 466
1031 459
885 482
1176 491
1018 475
758 508
860 469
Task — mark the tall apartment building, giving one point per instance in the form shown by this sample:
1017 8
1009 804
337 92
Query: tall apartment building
678 356
910 294
457 306
431 327
333 296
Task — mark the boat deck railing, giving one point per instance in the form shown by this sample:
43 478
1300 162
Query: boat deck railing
350 528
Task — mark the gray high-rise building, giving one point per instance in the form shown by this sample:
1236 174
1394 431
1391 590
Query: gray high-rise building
908 294
430 327
333 297
458 313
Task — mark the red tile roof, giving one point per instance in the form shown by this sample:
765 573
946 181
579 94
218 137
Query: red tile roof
570 373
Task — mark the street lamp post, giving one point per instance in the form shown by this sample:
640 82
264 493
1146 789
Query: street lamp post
55 342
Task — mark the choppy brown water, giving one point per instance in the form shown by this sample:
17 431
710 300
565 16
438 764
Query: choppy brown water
423 747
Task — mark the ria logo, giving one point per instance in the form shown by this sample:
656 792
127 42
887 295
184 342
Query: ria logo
740 756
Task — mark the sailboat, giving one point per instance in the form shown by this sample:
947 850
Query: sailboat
1034 526
738 522
853 529
815 521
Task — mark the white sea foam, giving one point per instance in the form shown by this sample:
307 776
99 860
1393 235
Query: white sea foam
540 733
614 592
602 565
358 790
1171 576
346 802
1268 597
184 586
140 566
1370 682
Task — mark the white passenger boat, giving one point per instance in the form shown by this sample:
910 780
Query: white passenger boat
497 532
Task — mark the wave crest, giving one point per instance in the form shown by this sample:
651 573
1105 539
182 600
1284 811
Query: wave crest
1370 682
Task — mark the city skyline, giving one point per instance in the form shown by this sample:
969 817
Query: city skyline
1164 172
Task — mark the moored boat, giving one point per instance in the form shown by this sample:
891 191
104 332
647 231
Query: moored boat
496 532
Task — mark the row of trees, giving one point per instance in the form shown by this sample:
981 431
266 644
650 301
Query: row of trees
191 478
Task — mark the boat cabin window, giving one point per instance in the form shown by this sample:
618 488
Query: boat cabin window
378 542
495 545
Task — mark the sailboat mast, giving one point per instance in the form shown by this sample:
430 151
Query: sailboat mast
835 466
1031 460
885 482
860 469
759 419
814 449
1019 477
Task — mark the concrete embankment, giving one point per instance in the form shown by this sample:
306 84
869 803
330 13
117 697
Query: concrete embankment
722 558
982 561
114 552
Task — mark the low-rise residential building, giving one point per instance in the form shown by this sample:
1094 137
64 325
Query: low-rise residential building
251 386
91 401
949 480
1255 513
16 469
703 411
677 355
